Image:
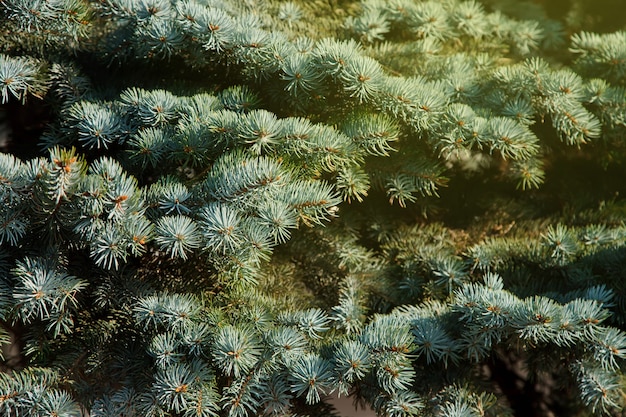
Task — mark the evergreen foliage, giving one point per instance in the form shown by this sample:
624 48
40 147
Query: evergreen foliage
240 208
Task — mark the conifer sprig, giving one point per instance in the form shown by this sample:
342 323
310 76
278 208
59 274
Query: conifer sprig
205 230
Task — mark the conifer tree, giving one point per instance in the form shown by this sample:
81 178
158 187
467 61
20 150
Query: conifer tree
241 208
